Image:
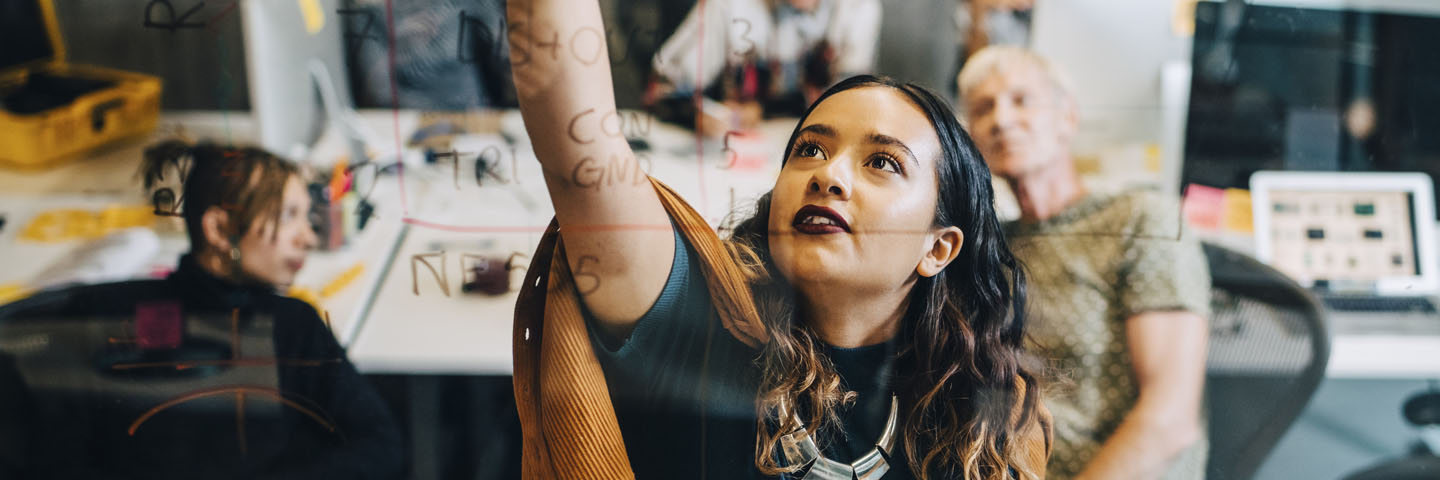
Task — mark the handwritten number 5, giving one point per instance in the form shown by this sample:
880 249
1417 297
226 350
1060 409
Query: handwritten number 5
580 271
730 154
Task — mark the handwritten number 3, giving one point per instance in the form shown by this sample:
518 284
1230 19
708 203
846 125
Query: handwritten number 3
745 36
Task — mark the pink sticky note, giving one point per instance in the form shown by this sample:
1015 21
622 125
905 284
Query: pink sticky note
744 150
1203 206
158 325
161 271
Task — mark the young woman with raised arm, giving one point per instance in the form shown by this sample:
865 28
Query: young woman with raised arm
865 321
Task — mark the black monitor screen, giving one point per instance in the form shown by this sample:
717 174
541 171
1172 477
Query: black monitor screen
1277 88
22 33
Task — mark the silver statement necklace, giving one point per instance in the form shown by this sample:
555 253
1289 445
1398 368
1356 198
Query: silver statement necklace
870 466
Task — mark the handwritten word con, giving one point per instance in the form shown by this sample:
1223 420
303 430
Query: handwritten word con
613 123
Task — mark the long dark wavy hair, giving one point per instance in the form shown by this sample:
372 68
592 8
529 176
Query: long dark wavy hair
959 351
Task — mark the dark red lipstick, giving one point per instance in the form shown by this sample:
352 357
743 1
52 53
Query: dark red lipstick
818 220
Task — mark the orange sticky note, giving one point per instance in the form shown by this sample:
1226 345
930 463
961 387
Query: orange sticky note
337 180
1237 214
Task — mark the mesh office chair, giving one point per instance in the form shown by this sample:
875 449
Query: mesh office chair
1269 345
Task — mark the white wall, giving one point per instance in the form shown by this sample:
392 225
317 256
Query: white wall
1113 51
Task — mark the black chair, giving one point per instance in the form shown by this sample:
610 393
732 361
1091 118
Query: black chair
1269 345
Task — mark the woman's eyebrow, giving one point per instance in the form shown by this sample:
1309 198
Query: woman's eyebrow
882 139
819 129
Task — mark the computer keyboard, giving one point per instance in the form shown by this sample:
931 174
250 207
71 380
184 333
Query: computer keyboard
1380 304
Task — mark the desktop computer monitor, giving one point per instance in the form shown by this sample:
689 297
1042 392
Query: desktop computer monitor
1311 89
295 58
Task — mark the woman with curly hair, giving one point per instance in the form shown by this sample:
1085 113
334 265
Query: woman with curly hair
865 321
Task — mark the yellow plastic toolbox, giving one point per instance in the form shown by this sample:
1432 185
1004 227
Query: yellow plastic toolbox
51 110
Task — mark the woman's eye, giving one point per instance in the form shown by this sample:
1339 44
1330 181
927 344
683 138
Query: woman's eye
884 163
808 150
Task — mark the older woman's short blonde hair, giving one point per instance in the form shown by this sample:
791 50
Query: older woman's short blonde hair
1004 58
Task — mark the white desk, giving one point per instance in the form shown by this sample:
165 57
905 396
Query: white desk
441 330
1384 356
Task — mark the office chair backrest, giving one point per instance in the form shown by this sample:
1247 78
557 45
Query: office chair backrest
1269 345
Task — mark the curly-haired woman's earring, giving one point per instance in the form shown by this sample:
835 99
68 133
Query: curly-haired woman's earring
235 253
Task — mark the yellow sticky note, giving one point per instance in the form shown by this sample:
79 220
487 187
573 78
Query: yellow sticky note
343 280
1152 158
1237 214
63 225
118 217
1182 18
314 15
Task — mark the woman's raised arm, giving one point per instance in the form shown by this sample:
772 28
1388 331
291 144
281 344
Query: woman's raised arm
618 238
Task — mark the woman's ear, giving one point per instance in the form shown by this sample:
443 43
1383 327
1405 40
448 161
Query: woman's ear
216 224
945 245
